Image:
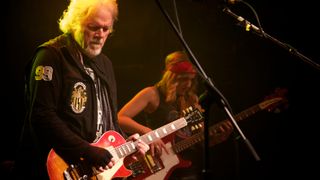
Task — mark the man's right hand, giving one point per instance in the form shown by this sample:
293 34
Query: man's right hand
99 157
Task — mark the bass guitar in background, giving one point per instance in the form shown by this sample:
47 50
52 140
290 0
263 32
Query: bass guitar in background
161 167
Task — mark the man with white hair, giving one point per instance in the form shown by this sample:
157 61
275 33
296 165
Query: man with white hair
71 96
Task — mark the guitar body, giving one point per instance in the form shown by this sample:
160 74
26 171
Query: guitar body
157 167
58 169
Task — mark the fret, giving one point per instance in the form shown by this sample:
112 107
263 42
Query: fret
244 114
182 145
128 147
124 149
164 130
157 134
133 146
120 151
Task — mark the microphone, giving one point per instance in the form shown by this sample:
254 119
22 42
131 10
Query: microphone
242 22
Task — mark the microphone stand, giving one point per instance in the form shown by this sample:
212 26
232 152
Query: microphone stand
217 94
251 27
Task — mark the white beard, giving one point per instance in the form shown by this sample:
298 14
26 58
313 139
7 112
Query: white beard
92 52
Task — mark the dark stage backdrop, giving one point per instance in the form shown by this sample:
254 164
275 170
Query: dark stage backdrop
243 66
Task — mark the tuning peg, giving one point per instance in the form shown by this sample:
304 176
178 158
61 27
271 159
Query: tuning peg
192 128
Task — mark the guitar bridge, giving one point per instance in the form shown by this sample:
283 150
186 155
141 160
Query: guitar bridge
75 173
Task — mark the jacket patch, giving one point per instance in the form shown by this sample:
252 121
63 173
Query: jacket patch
44 73
78 97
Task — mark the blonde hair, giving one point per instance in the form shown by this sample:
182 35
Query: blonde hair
78 10
168 83
174 58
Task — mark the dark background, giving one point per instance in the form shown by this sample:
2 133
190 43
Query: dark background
243 66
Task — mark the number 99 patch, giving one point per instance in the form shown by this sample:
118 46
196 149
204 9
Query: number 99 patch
43 73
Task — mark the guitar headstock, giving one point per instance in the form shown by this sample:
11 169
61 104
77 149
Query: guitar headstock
275 101
192 115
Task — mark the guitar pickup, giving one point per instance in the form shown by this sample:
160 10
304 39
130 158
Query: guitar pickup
154 164
72 172
137 168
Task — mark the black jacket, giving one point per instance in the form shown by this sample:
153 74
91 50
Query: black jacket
61 103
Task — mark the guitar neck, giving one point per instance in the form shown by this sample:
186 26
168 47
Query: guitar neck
130 146
198 137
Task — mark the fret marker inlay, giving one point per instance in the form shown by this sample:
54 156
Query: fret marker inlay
157 134
121 152
164 130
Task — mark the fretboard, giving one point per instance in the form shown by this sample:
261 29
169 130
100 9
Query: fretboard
198 137
130 146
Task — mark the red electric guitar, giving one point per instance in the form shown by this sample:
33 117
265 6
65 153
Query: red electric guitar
58 169
161 167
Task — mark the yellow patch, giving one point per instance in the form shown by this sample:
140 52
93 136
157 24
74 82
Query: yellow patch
44 73
78 97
